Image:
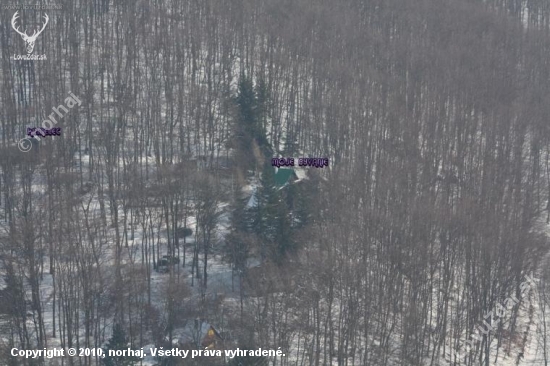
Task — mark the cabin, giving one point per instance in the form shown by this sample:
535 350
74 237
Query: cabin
201 334
212 339
284 176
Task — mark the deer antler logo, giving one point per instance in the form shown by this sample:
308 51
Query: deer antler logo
29 40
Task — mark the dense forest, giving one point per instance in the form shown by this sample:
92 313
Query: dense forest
157 213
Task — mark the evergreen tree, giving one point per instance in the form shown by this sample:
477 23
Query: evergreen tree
302 207
12 296
262 100
283 239
245 128
271 218
301 200
262 215
269 196
237 247
251 119
118 341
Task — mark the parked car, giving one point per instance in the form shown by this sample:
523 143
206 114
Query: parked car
170 260
183 232
163 265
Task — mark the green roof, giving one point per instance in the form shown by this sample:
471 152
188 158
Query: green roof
282 176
